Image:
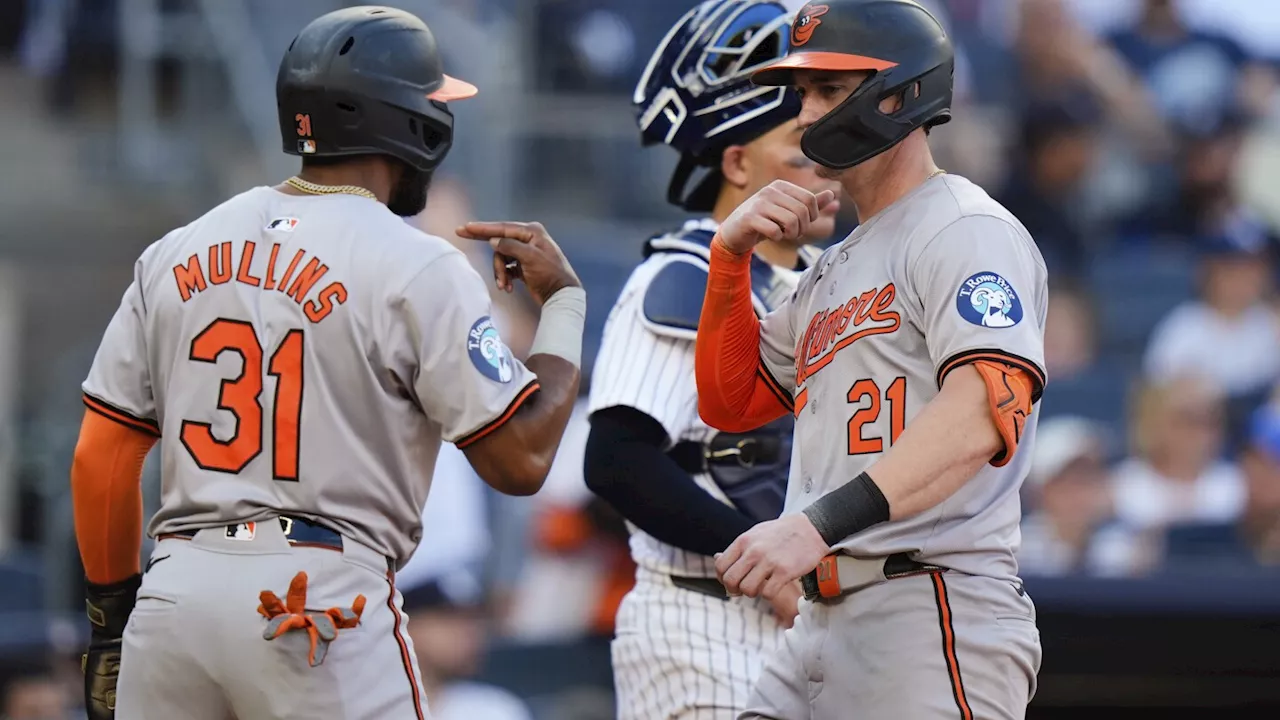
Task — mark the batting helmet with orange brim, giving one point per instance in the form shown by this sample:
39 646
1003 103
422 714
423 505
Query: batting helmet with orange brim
903 49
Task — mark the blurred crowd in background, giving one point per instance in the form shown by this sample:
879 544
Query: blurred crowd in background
1138 141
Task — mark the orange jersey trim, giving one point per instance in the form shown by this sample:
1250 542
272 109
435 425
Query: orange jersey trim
106 496
111 412
1000 356
472 437
736 392
776 388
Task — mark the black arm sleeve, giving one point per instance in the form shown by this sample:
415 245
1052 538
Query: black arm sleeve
625 465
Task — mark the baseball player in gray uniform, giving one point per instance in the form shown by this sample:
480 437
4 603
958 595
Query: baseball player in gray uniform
683 648
911 357
304 351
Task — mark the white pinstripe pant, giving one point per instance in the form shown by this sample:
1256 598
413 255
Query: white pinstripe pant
682 655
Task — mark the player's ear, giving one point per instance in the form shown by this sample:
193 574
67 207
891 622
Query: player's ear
734 166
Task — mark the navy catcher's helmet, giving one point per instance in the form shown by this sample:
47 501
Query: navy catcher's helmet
367 80
900 44
696 93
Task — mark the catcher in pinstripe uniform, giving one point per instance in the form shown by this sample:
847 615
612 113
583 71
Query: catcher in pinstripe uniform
684 648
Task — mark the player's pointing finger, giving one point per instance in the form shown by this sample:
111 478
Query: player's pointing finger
486 230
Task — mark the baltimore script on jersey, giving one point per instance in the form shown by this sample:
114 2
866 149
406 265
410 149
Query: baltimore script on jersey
193 277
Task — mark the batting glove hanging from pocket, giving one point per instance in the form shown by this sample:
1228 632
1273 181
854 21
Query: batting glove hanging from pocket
321 627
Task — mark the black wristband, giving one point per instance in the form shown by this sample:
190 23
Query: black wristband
110 605
849 509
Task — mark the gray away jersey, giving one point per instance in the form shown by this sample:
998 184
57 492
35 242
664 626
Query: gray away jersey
943 277
304 355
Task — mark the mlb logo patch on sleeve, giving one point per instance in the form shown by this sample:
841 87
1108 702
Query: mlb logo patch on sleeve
988 300
284 224
488 353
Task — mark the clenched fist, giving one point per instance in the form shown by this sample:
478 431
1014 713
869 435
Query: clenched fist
779 211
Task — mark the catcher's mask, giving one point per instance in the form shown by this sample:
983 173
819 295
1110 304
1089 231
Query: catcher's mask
696 93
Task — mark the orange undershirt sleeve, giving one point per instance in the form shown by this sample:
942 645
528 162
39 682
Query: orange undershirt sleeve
733 392
106 495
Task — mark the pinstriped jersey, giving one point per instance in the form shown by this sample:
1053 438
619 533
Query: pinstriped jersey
943 277
651 369
304 355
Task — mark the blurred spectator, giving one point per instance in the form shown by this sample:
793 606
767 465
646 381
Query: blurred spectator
35 697
1229 334
1053 160
1200 198
75 44
1193 75
448 625
1070 333
1254 539
1067 498
1058 54
1176 474
1260 523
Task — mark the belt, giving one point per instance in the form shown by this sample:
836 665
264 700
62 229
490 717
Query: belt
299 532
839 574
704 586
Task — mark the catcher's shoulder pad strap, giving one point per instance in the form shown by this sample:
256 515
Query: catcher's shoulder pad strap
694 244
673 299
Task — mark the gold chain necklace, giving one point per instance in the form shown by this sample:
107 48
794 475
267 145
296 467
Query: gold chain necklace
935 174
311 188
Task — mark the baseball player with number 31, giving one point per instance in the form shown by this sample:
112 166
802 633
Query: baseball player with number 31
304 351
913 357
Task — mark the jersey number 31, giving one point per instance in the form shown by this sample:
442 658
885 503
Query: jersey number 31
242 397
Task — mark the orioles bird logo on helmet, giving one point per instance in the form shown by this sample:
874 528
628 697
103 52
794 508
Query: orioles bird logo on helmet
806 22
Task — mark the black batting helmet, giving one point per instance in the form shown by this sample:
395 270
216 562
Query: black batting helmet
907 53
367 80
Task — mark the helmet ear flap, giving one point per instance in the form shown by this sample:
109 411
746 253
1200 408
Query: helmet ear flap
857 130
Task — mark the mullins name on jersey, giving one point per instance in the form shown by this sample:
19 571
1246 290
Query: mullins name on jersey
195 277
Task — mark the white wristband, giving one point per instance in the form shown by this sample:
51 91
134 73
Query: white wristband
559 333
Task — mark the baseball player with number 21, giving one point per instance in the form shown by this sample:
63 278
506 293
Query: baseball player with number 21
303 350
912 353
